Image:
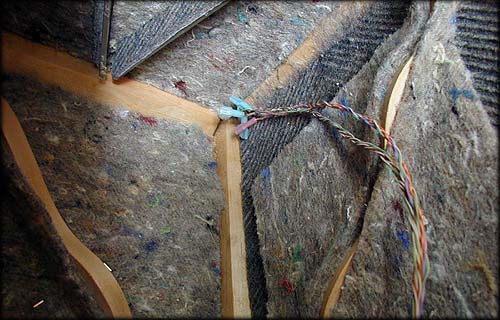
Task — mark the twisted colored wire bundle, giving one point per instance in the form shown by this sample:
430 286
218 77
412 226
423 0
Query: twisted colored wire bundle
398 167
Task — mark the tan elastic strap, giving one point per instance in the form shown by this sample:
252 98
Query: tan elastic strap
105 286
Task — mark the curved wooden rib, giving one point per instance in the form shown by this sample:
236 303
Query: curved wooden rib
107 289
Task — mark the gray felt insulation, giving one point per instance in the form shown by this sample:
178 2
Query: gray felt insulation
452 153
70 26
176 18
141 193
35 264
314 194
232 51
317 82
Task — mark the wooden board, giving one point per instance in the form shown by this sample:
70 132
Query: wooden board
48 65
235 299
104 285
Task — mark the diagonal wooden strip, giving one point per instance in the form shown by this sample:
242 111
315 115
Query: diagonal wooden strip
48 65
235 300
103 283
155 34
235 292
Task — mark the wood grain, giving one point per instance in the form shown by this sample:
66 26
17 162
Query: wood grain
104 285
48 65
235 299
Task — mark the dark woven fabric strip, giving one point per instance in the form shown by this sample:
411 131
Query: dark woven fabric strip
477 38
67 25
320 81
158 32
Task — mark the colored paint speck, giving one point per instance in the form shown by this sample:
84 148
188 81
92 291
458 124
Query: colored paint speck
266 173
215 268
455 93
343 102
241 16
297 253
212 165
297 21
148 120
165 230
287 286
404 237
151 246
181 85
154 202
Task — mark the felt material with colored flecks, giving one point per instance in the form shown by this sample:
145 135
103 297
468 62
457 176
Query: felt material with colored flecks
313 196
139 192
39 279
229 53
451 148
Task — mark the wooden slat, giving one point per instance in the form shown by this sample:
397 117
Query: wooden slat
48 65
235 299
103 283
